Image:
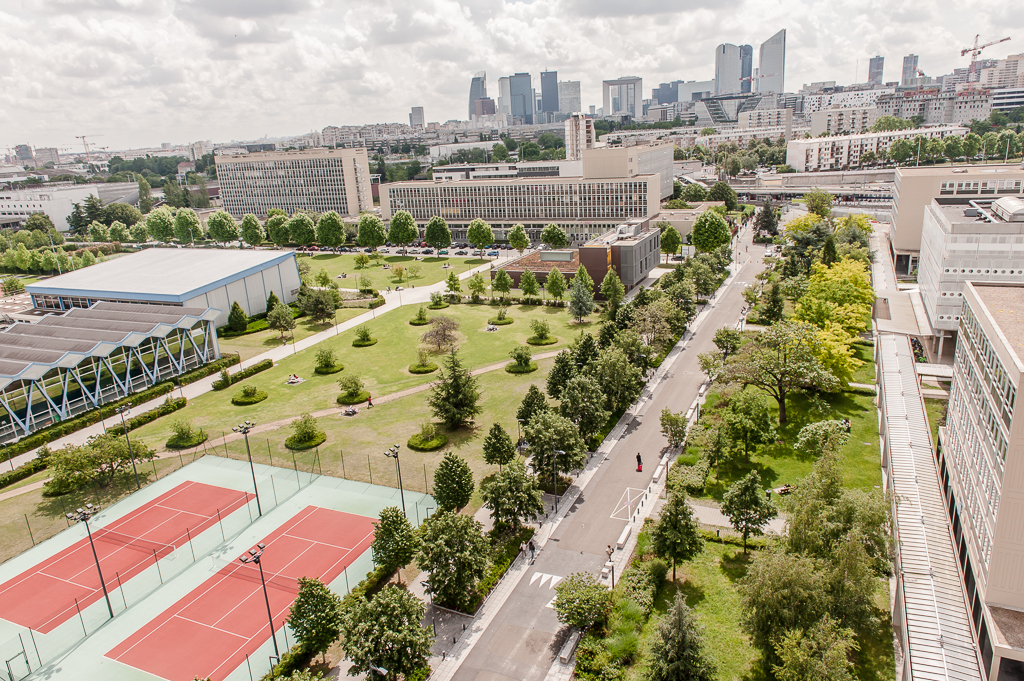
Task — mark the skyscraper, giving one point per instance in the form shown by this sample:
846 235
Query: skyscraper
728 69
875 67
771 68
521 97
569 97
416 119
746 67
549 91
623 96
477 90
23 152
504 96
909 69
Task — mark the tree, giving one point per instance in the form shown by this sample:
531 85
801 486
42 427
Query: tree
498 447
118 232
145 196
39 221
480 234
673 427
710 231
477 285
900 150
694 192
455 397
954 148
581 302
187 226
554 236
554 443
748 507
828 251
238 321
371 231
767 219
101 460
301 229
160 224
555 283
277 229
676 535
513 496
728 341
252 231
528 284
500 152
678 652
330 230
972 145
581 601
533 403
749 421
561 372
280 318
222 227
889 123
670 239
319 305
394 539
822 437
94 208
721 191
454 551
620 380
443 332
612 288
582 402
120 212
315 616
138 232
518 239
437 235
774 308
403 229
386 633
98 232
819 202
821 652
502 283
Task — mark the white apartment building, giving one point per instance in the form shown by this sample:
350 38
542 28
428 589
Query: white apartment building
980 241
845 99
766 118
46 155
58 201
579 135
980 458
1006 73
835 153
849 121
938 108
1007 99
654 158
741 137
317 180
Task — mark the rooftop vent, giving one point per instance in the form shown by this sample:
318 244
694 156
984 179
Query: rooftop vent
1009 208
970 212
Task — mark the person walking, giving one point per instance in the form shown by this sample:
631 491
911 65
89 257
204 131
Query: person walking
639 463
369 401
533 550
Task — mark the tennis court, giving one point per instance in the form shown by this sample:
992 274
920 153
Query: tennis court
224 620
55 590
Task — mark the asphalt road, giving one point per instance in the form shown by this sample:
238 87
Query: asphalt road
524 637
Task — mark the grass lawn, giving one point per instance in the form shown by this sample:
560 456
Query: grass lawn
432 271
257 343
866 372
936 410
780 463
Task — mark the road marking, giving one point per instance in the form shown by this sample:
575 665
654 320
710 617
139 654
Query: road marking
545 578
628 502
550 604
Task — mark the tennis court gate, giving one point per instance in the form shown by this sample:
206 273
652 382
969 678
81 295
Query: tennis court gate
14 655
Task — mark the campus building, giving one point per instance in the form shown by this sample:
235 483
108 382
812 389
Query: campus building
836 153
58 201
317 180
980 458
63 365
193 278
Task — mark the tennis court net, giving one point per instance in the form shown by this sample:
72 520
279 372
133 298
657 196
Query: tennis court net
251 573
147 546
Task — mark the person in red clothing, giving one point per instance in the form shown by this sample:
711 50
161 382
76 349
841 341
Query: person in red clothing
639 463
369 401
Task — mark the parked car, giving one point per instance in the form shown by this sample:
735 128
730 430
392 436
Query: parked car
460 252
493 254
443 251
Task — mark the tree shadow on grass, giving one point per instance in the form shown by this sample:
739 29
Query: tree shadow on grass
123 484
691 592
875 660
731 471
735 566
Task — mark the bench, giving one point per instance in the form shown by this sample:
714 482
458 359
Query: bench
569 649
624 536
658 473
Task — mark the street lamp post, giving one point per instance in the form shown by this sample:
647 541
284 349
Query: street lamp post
254 557
393 453
519 429
122 410
554 469
610 551
244 429
83 515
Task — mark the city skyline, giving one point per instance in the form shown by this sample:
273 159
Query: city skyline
173 71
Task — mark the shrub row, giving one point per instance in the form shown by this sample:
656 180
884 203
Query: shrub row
296 659
501 559
168 407
23 471
209 369
256 323
243 374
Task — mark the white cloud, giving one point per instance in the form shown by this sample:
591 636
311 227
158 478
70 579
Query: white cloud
141 72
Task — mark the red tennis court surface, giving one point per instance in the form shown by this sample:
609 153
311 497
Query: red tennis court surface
209 632
44 597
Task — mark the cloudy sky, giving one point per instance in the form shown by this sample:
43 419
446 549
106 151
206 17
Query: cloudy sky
142 72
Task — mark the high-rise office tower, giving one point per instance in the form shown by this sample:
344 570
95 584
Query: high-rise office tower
771 67
746 67
23 152
623 96
416 119
909 69
477 90
549 91
569 97
504 96
521 98
875 67
728 69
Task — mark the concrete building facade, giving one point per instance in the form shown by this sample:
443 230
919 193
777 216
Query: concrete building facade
316 180
936 107
876 65
579 136
623 96
416 118
909 69
569 101
835 153
629 161
849 121
771 67
58 201
728 69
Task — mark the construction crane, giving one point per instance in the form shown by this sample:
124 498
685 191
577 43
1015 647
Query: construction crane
975 50
86 145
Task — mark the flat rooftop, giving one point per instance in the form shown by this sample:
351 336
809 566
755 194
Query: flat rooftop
962 222
969 170
161 274
511 181
1006 305
531 261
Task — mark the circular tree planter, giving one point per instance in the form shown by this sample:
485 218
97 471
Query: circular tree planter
514 368
500 322
419 322
416 443
241 400
325 371
437 307
364 344
196 440
534 340
422 368
344 398
290 443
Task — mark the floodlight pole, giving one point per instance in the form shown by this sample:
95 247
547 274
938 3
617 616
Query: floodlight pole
254 557
554 469
244 429
83 515
122 410
393 453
